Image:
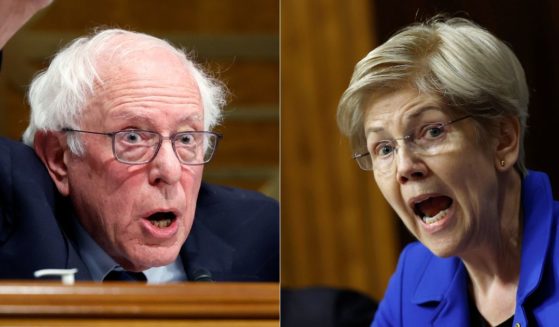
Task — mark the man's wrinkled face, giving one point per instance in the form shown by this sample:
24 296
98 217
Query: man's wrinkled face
139 214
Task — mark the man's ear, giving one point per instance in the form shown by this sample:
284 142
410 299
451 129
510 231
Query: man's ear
51 148
508 145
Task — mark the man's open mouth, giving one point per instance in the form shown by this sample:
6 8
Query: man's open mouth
432 209
162 219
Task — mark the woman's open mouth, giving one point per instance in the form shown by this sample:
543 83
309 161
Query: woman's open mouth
432 209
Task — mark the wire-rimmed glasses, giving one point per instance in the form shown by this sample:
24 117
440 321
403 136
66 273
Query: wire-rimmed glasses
136 147
427 139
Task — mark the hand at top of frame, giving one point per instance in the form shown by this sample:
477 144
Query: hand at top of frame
15 13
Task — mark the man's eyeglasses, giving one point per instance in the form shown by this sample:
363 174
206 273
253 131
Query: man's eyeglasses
136 147
428 139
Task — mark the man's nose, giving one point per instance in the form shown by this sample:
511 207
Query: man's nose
165 167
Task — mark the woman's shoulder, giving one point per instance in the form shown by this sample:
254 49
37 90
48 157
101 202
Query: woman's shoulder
415 253
417 261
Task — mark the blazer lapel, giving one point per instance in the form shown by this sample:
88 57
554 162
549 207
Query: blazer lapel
64 214
74 261
536 243
441 293
206 250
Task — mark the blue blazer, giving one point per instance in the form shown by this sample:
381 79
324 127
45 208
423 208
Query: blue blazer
235 235
427 290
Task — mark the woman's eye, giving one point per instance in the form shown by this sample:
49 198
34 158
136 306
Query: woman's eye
434 131
383 149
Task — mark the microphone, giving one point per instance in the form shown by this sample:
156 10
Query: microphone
199 275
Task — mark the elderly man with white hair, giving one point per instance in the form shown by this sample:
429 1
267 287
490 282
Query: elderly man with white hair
121 127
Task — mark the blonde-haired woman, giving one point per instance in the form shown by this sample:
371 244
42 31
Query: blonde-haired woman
438 114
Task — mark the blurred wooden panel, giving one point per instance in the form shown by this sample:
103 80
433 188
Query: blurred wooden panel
43 303
223 16
12 122
248 155
38 45
337 230
137 323
237 41
248 141
263 179
248 66
251 80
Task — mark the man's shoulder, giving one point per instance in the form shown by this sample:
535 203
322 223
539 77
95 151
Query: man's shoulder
21 168
19 157
15 147
230 202
247 222
30 237
26 190
223 205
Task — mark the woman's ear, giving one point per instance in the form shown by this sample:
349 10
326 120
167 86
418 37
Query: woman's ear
51 148
508 145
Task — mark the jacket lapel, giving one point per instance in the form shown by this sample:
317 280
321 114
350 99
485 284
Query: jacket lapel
205 250
65 214
441 294
74 261
537 227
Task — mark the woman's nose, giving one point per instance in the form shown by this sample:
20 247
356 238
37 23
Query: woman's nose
409 166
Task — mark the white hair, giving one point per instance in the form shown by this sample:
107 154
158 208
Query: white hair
464 65
59 94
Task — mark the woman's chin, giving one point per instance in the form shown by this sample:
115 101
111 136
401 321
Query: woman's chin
441 248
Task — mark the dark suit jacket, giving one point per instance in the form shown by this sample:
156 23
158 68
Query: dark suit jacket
235 235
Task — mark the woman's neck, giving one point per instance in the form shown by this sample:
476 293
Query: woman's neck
494 264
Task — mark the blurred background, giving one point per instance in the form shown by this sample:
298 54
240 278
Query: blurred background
237 42
337 230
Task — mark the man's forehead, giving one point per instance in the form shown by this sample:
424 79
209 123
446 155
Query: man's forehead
139 115
137 53
153 62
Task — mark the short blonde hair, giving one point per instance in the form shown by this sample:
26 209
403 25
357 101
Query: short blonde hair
467 67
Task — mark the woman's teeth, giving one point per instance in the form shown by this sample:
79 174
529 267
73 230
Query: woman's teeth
431 220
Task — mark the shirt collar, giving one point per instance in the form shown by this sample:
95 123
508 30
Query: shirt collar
99 263
95 258
173 272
